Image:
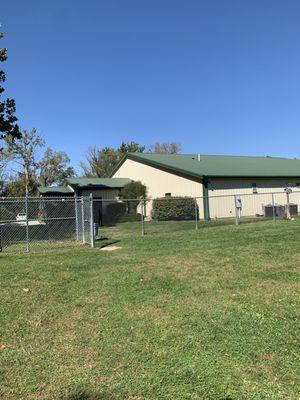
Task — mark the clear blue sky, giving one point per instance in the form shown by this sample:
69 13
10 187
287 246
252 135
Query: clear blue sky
220 77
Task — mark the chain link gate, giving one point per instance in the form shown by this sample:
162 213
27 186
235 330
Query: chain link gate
28 224
84 220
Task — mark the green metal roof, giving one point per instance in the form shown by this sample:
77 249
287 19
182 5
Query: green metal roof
55 189
201 166
99 183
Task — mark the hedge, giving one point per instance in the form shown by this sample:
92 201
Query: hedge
121 212
173 208
114 212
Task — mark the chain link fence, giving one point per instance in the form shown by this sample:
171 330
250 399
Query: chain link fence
29 224
41 223
123 218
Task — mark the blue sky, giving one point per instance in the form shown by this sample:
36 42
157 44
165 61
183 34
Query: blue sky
219 77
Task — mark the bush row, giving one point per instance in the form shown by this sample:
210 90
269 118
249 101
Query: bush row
163 209
173 208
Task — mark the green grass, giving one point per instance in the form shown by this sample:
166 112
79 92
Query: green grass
207 314
127 229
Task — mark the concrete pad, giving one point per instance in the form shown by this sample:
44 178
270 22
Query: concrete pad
110 248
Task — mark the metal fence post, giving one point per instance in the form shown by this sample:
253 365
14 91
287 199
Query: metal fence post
0 227
76 218
196 214
142 217
236 211
27 224
82 218
92 221
288 209
273 205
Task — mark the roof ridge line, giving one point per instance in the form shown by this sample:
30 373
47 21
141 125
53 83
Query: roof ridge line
212 155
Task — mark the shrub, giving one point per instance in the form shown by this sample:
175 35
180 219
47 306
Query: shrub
173 208
134 190
114 211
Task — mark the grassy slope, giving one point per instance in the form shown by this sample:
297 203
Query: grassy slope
189 315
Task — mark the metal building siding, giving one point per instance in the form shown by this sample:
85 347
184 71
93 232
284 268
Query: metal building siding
160 182
107 194
221 192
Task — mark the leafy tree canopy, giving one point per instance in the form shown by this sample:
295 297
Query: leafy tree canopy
101 161
134 190
8 125
23 152
55 168
33 168
18 184
166 148
130 147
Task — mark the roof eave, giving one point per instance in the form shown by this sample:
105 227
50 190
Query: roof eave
250 176
155 164
118 165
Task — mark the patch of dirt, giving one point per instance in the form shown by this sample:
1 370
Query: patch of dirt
110 248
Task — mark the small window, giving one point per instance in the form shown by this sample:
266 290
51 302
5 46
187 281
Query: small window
254 188
167 194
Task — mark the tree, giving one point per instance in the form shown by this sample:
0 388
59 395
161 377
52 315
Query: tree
101 161
166 148
19 185
24 153
131 191
130 147
54 168
134 190
8 125
3 163
33 170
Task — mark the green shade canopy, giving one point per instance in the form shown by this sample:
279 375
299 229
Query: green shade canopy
55 189
85 183
98 183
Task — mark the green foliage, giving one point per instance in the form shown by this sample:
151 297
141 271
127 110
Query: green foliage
23 151
121 212
101 161
16 187
52 168
173 208
134 190
130 147
8 125
55 168
166 148
114 211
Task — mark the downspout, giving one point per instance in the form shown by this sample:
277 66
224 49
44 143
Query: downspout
205 201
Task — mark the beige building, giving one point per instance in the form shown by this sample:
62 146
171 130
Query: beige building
214 180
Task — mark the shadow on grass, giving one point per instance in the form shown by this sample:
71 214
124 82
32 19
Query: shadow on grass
105 241
88 395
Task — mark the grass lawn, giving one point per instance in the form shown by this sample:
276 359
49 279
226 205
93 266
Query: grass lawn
207 314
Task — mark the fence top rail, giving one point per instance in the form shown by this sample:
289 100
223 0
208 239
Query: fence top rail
34 199
79 198
255 195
